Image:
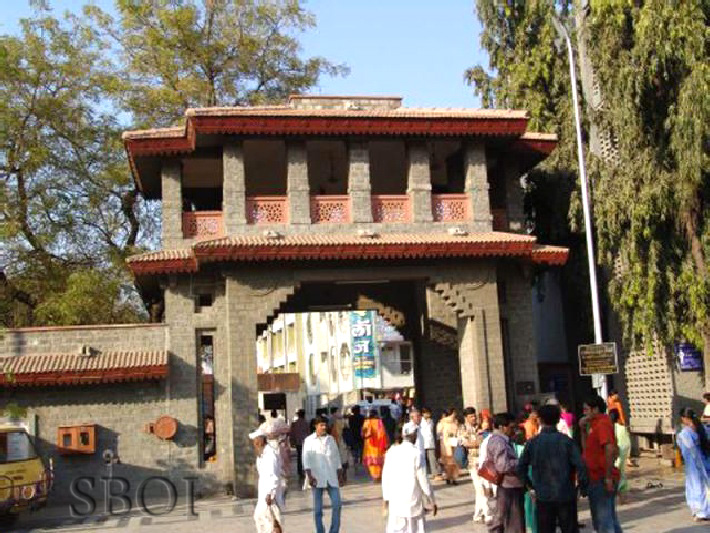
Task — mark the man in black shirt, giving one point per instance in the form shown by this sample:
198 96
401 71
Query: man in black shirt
549 464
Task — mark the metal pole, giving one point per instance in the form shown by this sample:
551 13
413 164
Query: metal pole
598 380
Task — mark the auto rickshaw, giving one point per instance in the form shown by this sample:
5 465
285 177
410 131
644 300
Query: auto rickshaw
25 479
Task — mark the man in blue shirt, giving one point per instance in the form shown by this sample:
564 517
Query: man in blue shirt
549 464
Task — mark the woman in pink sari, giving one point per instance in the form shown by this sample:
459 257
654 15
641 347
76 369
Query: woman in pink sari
375 438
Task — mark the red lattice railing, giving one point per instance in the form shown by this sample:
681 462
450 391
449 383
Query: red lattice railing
500 219
450 207
330 209
267 209
202 224
391 208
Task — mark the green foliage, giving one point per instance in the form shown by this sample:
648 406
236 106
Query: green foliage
179 55
90 297
651 207
527 71
12 410
64 178
68 88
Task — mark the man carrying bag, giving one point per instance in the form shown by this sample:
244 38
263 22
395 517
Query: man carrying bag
499 467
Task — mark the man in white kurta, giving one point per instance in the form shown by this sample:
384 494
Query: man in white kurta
324 473
268 466
405 486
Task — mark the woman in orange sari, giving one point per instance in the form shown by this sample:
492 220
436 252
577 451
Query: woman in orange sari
375 439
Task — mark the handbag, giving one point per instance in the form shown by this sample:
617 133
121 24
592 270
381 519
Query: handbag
488 472
461 456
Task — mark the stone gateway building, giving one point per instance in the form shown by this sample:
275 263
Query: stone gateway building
345 203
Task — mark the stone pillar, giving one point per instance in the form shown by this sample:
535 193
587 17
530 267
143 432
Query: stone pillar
233 188
252 296
171 217
480 344
299 200
359 182
419 182
472 292
475 379
514 197
476 186
183 386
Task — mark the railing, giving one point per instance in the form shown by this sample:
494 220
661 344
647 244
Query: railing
267 209
202 224
391 208
450 207
500 219
330 209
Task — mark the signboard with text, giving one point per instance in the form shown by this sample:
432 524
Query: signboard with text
362 324
598 359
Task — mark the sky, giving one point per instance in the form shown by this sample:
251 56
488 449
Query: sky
417 49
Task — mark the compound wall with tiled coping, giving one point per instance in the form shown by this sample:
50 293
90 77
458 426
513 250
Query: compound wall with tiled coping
119 410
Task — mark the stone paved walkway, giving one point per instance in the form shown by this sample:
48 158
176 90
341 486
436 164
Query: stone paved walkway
649 510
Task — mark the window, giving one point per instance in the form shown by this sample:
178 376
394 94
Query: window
291 336
312 373
446 162
15 446
207 354
203 300
397 358
205 347
327 167
405 358
333 365
265 167
345 362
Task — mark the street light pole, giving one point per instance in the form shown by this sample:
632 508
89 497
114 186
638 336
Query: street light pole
598 380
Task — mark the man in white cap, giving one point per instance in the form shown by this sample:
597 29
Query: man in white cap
267 514
415 425
405 486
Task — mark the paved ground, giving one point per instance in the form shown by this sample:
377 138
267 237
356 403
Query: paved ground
649 510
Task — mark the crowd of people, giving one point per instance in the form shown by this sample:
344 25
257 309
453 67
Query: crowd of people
528 471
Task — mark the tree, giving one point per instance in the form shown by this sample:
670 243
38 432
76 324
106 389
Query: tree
69 87
178 55
64 181
526 71
651 203
650 62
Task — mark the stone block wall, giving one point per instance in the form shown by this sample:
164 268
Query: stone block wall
437 366
123 337
517 310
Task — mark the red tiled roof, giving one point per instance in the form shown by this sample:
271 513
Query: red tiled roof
550 255
65 369
291 112
257 248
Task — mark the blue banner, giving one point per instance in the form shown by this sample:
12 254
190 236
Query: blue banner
362 339
689 357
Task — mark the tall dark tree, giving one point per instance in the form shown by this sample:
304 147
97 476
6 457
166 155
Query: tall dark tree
650 61
652 201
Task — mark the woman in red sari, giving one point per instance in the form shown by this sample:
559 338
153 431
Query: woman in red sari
375 438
